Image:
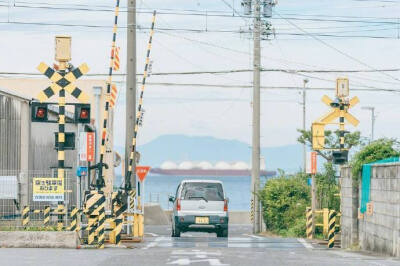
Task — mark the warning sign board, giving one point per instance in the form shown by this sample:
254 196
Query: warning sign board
312 163
86 146
141 172
48 189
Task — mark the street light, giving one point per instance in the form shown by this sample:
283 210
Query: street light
372 109
305 81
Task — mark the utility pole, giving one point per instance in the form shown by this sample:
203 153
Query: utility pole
130 92
372 109
255 170
305 81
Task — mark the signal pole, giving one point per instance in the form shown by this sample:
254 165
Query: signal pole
255 170
130 182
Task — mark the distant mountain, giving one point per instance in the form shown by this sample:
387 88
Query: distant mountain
179 148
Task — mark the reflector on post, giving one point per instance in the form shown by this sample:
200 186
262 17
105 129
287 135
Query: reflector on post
318 136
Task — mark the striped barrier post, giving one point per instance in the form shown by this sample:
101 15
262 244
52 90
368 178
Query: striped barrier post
60 217
91 228
94 208
132 194
74 219
140 107
25 216
101 225
46 215
252 210
331 230
309 217
100 181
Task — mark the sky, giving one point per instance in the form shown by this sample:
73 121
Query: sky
310 35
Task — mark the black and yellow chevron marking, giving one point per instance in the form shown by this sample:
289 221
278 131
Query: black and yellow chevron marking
309 223
74 219
252 210
94 202
25 216
341 125
101 225
107 105
46 215
91 228
331 229
60 212
132 194
139 113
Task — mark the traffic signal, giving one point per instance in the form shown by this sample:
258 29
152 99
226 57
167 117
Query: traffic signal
82 113
340 157
39 112
318 136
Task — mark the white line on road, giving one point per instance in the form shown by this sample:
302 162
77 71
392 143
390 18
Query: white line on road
153 243
152 234
305 243
253 236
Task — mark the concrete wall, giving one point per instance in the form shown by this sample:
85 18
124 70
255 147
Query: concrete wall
380 231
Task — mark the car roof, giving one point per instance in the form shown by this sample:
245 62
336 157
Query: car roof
200 181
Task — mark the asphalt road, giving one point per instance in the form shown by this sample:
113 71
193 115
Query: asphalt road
241 248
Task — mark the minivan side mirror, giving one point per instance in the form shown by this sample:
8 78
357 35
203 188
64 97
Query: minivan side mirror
171 198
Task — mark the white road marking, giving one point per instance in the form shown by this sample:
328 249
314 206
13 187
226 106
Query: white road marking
153 243
184 257
253 236
152 234
305 243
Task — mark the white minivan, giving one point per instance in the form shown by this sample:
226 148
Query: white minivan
200 205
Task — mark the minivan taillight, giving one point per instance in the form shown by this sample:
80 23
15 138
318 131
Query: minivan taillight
178 204
225 205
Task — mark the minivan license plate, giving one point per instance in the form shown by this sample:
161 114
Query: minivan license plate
202 220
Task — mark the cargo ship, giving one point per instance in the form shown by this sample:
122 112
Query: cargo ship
209 172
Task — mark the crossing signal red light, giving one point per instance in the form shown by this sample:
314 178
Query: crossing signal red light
82 113
39 112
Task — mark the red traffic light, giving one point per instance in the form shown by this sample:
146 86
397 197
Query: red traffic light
40 112
84 114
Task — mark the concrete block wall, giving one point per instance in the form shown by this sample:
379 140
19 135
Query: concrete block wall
380 231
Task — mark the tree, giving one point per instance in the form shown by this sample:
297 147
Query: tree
374 151
332 141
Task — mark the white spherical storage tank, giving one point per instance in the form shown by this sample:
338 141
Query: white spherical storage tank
167 165
186 165
204 165
222 166
241 166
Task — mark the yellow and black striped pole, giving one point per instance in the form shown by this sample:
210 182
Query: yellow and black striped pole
118 209
101 225
139 113
132 194
331 229
60 215
46 215
341 123
74 219
309 223
100 180
25 216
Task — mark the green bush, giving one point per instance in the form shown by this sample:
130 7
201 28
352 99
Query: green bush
376 150
284 200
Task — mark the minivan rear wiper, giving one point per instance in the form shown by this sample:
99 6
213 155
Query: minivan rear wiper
198 197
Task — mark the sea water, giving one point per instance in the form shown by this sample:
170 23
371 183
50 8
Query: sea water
157 188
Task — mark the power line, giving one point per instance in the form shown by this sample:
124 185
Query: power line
336 49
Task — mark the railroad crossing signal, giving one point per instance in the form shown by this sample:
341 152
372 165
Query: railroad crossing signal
63 81
340 107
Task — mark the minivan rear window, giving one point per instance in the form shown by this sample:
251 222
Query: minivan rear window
201 190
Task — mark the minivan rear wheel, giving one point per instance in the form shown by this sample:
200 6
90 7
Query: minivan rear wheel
176 232
222 233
